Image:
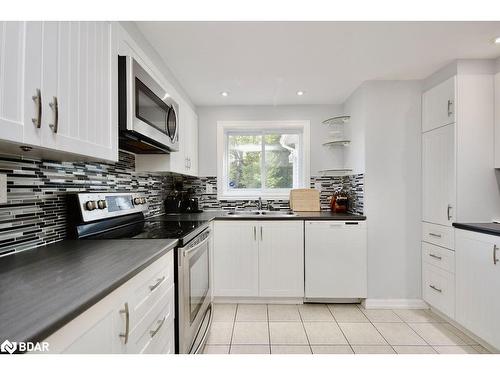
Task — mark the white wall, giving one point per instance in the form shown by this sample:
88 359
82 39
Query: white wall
388 113
321 157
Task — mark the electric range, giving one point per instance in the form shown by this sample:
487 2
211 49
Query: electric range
123 216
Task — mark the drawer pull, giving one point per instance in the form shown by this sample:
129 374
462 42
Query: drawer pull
436 289
435 256
435 235
153 332
157 284
127 323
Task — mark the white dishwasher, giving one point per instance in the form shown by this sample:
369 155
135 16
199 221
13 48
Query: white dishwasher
335 260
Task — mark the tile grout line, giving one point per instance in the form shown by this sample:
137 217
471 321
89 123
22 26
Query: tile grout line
232 331
268 328
343 334
380 333
304 328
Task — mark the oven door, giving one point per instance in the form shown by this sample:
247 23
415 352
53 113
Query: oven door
194 293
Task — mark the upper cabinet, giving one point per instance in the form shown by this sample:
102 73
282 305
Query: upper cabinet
497 117
12 42
67 107
458 151
438 105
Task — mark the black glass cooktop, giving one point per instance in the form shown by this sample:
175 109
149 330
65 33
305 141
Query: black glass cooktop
152 229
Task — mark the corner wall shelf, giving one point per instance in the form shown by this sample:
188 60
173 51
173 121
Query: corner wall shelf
337 120
337 143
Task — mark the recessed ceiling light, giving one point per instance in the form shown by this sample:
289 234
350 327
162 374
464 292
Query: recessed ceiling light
497 40
224 93
300 93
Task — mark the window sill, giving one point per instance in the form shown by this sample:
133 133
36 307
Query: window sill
246 197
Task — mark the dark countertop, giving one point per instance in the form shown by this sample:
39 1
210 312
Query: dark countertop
487 228
43 289
222 215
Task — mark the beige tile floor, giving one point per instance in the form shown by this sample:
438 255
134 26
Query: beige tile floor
332 329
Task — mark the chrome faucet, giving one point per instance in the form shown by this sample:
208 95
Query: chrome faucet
259 205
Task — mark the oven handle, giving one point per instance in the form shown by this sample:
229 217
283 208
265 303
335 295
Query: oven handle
205 334
187 250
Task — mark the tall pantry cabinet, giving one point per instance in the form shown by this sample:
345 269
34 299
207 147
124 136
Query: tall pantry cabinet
459 183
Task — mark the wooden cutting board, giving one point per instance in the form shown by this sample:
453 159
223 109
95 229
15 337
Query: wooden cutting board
304 200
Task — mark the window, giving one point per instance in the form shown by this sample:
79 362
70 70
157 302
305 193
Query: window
262 159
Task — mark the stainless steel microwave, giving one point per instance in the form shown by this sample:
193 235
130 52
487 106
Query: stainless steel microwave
147 115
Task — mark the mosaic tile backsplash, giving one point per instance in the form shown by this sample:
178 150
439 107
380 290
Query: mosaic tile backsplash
35 213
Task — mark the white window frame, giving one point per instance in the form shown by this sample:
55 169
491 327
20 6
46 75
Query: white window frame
224 127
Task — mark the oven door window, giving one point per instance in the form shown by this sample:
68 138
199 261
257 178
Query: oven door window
198 281
150 108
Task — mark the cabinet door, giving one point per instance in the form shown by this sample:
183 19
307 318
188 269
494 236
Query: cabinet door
438 105
193 143
281 258
80 73
477 285
335 259
438 174
236 259
12 46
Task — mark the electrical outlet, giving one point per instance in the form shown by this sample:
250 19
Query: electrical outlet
317 186
209 189
3 188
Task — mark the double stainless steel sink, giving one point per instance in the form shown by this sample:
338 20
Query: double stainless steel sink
263 213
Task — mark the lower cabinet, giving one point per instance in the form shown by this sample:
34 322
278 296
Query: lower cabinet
335 260
477 284
258 258
138 317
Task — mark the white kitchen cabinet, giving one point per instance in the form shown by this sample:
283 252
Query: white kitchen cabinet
13 89
438 288
281 258
477 284
438 177
438 105
137 317
69 70
236 259
335 259
497 119
258 259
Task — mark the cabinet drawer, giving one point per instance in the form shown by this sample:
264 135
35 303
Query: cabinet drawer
160 317
144 297
439 289
438 257
438 235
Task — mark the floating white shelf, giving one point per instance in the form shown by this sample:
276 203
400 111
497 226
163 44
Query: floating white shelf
337 143
336 172
337 120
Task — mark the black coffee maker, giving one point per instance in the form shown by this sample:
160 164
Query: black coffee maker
180 200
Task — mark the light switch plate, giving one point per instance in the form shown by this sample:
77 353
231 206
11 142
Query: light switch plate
3 188
209 189
317 186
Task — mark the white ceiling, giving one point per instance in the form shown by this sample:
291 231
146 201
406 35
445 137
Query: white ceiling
261 63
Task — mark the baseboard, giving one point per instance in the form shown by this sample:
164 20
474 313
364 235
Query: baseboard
260 300
379 303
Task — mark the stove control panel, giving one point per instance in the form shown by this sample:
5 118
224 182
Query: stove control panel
96 206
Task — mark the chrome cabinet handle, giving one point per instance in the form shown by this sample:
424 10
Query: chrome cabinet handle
436 289
127 323
254 233
435 235
157 284
450 103
261 237
435 256
153 332
37 98
495 259
55 109
448 212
